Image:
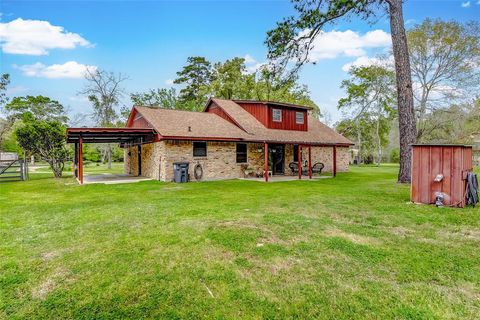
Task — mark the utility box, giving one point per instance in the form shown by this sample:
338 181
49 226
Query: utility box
180 172
439 174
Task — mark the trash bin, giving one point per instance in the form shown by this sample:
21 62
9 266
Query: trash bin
180 172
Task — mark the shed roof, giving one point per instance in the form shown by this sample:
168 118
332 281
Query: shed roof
109 135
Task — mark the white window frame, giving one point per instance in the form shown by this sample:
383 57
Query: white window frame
297 113
279 113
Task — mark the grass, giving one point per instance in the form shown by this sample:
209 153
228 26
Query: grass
344 248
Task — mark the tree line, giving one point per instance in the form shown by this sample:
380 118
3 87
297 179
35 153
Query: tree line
445 60
427 92
200 79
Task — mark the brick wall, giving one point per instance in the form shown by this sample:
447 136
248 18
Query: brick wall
220 162
130 160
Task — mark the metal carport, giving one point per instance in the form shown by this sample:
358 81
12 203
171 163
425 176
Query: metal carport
122 136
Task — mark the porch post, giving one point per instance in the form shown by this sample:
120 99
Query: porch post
334 161
75 161
80 160
266 162
299 158
310 161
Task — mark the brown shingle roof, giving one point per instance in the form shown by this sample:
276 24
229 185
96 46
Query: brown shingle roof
175 123
241 116
274 103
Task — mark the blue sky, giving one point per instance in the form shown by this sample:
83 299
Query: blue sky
150 40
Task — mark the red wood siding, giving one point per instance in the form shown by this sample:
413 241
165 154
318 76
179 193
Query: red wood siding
213 108
136 120
258 110
140 122
450 161
263 113
288 119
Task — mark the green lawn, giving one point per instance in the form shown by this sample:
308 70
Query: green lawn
350 247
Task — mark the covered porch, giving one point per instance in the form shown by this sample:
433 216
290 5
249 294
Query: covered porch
302 167
123 136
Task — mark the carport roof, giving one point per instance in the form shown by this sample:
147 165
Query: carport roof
109 135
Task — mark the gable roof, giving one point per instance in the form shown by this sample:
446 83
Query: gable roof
274 103
246 121
177 124
318 133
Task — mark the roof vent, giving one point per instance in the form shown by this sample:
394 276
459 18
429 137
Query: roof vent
189 129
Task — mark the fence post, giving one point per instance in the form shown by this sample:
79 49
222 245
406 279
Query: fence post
22 170
26 170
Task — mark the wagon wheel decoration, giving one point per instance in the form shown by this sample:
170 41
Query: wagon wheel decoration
198 171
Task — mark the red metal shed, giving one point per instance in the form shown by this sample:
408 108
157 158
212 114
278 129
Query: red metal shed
440 169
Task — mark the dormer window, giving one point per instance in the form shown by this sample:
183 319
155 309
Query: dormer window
299 118
277 115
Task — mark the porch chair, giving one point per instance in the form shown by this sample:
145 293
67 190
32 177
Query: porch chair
316 168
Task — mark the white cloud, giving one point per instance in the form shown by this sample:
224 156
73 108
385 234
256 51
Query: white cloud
255 67
252 64
70 69
11 91
439 92
365 61
36 37
78 99
331 44
411 21
249 59
465 4
169 82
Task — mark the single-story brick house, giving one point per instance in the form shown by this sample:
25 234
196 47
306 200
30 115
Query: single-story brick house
228 139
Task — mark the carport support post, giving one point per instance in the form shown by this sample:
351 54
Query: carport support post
266 162
299 158
310 162
334 161
80 160
75 161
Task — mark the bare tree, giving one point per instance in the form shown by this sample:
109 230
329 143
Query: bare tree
5 124
104 91
445 59
371 99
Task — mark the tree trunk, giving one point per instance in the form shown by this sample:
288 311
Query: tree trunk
406 116
359 144
57 167
379 143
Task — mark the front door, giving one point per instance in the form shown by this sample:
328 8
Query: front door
276 158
